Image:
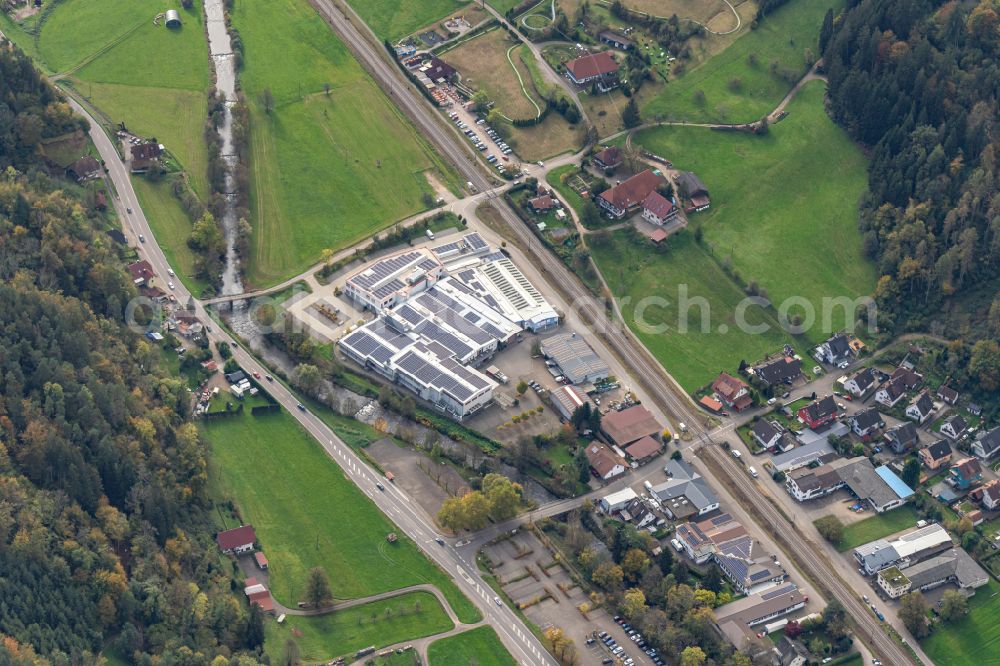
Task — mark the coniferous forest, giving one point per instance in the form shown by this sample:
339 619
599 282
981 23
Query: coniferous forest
105 517
918 83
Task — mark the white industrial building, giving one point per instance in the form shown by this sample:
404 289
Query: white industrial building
904 550
436 322
393 279
575 358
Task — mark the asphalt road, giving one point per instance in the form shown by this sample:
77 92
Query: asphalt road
645 368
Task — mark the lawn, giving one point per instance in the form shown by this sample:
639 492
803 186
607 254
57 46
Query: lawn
151 78
973 640
394 19
378 623
321 164
735 89
476 646
651 286
307 514
878 526
171 225
784 206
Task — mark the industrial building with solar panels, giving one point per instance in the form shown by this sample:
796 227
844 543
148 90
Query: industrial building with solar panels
441 313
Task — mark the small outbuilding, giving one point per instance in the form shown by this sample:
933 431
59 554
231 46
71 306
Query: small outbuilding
173 18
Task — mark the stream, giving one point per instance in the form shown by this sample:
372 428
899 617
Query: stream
221 52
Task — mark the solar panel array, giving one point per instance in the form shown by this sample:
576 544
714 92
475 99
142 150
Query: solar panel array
454 344
774 594
366 345
430 375
474 241
383 268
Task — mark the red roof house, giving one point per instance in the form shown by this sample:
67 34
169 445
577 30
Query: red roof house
239 540
626 196
658 209
609 158
141 271
818 413
600 67
733 392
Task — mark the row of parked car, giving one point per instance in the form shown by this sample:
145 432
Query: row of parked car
620 652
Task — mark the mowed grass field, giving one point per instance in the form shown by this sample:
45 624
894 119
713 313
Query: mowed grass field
379 623
172 227
782 37
878 526
151 78
973 640
651 288
308 514
326 170
476 646
394 19
784 206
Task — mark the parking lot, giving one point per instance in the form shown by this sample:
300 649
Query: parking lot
483 137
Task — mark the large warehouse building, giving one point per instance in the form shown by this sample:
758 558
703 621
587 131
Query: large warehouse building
578 362
442 312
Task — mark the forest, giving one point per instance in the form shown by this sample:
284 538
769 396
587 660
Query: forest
917 82
106 521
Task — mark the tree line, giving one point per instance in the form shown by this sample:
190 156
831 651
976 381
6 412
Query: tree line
916 82
106 520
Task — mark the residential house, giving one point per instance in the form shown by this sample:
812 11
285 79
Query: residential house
622 199
438 70
685 493
782 370
935 455
629 425
834 350
597 68
711 404
615 39
866 423
990 495
542 204
767 433
658 210
733 392
609 158
987 443
974 409
819 413
85 168
921 408
948 394
237 540
747 568
692 189
902 438
891 392
909 377
145 155
808 483
638 513
861 382
701 540
141 272
965 473
603 461
792 652
954 427
952 566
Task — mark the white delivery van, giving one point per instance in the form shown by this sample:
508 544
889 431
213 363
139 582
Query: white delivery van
753 471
